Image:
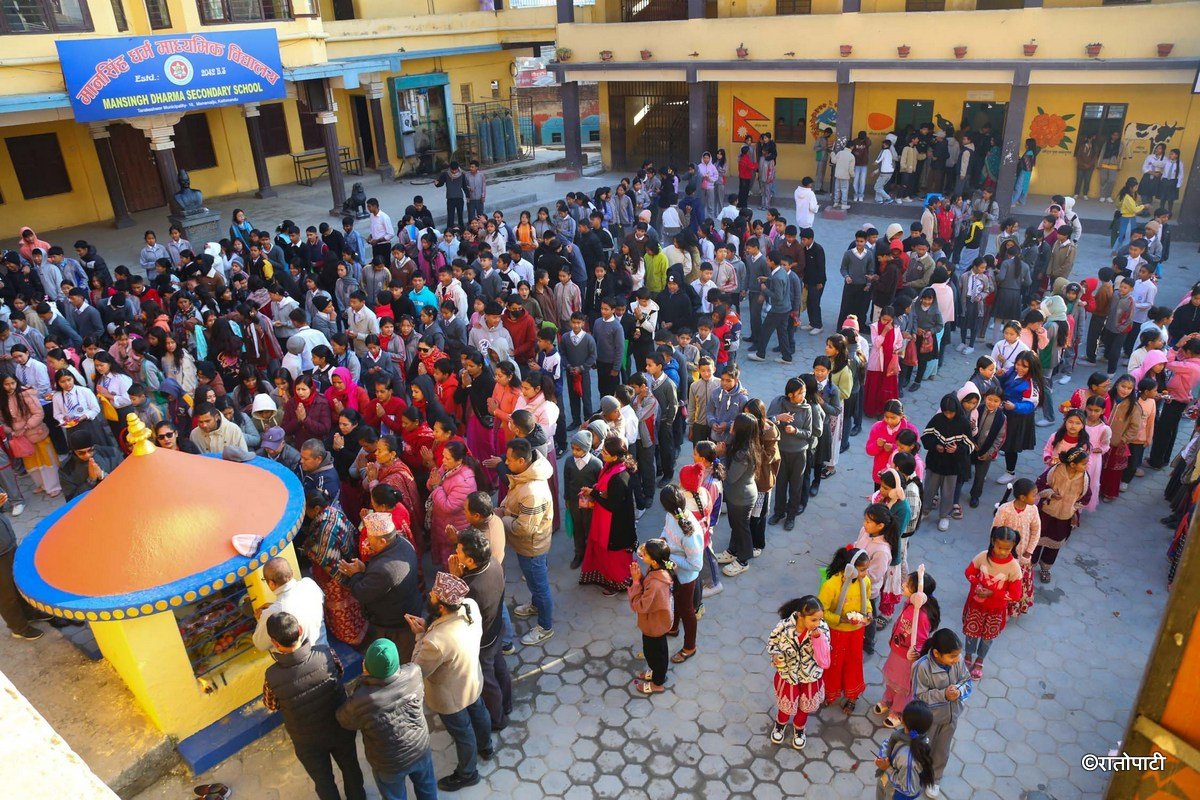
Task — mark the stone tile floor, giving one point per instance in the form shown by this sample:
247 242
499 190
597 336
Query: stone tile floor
1060 683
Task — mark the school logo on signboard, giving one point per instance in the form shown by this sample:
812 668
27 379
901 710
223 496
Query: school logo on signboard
179 70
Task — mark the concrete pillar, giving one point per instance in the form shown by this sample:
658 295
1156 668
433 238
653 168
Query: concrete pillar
697 119
1014 131
108 168
254 134
328 122
1187 210
572 141
845 105
383 160
159 129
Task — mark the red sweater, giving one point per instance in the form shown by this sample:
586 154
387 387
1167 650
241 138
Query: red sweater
392 410
524 335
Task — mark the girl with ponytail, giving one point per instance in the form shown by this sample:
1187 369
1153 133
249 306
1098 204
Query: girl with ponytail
879 537
940 682
684 535
1021 514
920 615
905 760
799 647
846 596
650 599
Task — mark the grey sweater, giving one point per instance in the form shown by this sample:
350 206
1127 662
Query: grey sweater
582 355
610 340
856 267
806 429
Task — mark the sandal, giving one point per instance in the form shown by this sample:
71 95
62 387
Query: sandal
879 709
848 706
1044 574
210 788
682 656
643 676
892 721
956 512
648 688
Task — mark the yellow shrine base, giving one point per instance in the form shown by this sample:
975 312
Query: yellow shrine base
148 653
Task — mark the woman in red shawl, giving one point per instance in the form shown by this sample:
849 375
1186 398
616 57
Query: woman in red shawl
344 393
883 364
417 437
306 413
389 470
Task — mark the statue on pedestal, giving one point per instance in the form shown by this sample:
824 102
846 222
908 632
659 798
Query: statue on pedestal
187 201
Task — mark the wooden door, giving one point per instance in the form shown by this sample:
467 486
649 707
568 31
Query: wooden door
136 167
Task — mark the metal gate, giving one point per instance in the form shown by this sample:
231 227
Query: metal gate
495 131
648 121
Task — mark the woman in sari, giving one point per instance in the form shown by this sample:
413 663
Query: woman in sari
330 538
476 385
883 364
612 536
387 469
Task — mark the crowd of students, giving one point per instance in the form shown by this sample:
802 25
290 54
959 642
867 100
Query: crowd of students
418 377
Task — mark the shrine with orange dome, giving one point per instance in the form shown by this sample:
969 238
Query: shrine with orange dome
169 589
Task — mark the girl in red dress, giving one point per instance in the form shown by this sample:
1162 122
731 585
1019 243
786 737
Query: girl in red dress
995 578
883 365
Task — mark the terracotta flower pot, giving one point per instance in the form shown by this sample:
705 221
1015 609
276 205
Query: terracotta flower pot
960 51
846 50
903 51
1165 49
1093 50
606 55
646 55
1029 49
742 51
563 54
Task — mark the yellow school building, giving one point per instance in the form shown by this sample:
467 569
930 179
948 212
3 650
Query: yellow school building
678 77
394 87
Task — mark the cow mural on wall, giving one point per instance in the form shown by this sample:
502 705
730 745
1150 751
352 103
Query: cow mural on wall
1151 132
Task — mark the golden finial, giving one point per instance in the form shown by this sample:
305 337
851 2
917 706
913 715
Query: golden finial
139 436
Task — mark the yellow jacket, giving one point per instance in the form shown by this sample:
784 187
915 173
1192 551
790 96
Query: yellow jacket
828 596
1130 207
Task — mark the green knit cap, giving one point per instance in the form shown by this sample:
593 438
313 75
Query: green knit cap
382 659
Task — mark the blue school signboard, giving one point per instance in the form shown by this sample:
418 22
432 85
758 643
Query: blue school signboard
132 76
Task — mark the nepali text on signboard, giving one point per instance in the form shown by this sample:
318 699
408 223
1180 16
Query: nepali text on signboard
131 76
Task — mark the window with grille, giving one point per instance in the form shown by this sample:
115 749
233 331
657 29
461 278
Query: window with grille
44 16
793 6
464 92
924 5
791 120
118 8
193 143
38 162
272 124
218 11
159 14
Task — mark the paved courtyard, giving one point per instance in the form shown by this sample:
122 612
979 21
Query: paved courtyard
1060 681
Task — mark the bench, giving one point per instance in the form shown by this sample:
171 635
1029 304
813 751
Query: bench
312 164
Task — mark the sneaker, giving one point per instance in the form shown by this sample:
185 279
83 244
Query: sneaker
1085 197
726 558
777 733
973 502
734 569
757 552
968 350
814 332
1124 486
785 360
775 519
713 591
790 523
527 610
1064 380
536 635
933 790
18 509
798 740
638 514
1007 477
756 357
806 327
508 648
943 525
490 753
30 634
454 782
1045 423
